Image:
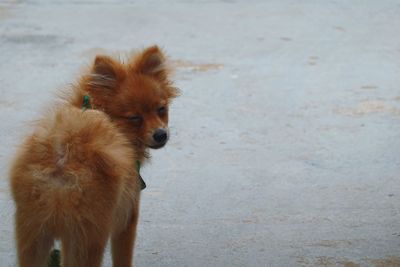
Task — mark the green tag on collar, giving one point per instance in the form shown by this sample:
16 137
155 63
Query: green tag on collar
142 183
86 103
55 258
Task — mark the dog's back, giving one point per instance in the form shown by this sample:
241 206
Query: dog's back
73 179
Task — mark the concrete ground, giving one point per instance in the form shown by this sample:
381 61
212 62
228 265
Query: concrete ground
286 139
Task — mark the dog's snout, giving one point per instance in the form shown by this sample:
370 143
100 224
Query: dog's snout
160 136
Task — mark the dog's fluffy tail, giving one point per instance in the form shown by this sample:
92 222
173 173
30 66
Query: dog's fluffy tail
68 179
72 148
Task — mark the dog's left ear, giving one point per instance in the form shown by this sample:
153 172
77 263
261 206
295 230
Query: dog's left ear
151 61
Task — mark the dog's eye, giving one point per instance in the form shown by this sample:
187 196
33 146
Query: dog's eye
137 120
161 111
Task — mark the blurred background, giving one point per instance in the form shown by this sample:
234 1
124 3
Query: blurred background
285 147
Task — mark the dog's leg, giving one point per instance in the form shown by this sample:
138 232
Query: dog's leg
33 243
123 242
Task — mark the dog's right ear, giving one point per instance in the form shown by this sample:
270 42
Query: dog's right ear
151 61
105 74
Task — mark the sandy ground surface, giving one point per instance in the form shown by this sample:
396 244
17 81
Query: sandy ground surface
285 147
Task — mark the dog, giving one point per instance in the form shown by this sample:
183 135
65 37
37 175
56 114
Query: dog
76 178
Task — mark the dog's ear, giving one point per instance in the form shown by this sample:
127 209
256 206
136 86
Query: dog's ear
151 61
106 73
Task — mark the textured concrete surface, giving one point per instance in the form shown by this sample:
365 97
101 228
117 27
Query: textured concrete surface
286 139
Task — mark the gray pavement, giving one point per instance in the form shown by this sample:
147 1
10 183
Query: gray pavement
286 139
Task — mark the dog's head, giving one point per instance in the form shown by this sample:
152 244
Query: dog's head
136 95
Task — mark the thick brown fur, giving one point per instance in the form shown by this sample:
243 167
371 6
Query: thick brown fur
75 178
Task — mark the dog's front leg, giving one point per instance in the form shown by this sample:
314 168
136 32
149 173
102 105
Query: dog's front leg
123 242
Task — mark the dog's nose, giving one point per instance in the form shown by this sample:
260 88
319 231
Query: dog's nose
160 135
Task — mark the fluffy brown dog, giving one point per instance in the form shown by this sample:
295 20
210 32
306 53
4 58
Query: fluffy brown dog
75 178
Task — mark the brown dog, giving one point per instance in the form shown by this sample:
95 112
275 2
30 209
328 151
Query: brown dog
76 178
